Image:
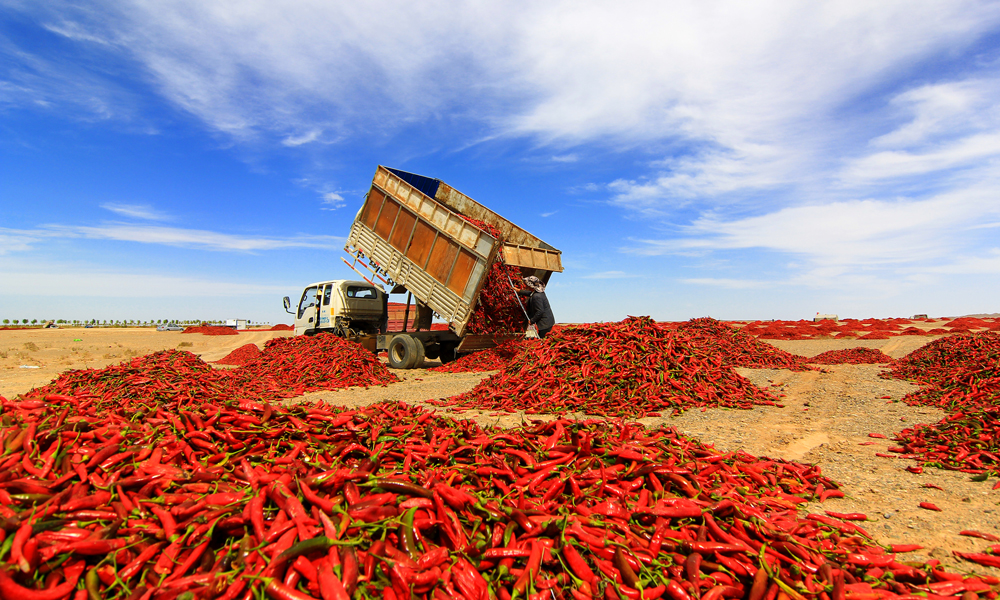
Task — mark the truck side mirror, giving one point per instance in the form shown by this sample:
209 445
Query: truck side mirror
286 302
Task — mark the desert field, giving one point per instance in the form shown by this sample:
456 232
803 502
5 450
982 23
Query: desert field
825 419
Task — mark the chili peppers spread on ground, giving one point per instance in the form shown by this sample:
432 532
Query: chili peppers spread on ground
968 442
125 491
630 369
877 329
287 367
162 377
948 360
960 374
492 359
210 330
851 356
293 366
282 327
226 500
240 356
736 348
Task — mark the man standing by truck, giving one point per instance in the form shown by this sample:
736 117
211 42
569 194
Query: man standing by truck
539 311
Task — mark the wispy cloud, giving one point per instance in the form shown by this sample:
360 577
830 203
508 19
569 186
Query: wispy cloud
304 138
967 151
333 201
987 262
824 131
14 240
330 197
137 211
33 81
548 214
859 232
88 281
76 32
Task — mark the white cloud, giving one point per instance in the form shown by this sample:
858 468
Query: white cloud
137 211
333 200
949 125
859 232
949 108
15 241
548 214
971 150
22 240
986 264
730 75
566 158
196 238
75 32
28 277
305 138
770 108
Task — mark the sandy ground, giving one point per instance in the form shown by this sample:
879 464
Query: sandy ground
825 420
33 357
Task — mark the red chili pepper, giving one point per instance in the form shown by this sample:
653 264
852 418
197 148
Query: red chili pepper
279 591
979 534
10 589
848 516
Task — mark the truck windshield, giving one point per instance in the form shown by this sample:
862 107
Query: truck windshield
361 292
308 300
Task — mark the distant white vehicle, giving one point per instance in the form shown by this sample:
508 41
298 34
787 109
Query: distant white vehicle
170 327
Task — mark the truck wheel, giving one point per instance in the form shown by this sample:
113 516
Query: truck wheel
405 352
447 353
419 354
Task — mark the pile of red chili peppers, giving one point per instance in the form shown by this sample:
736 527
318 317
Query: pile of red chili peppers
162 377
292 366
210 330
188 498
954 371
851 356
960 374
735 347
492 359
240 356
287 367
632 368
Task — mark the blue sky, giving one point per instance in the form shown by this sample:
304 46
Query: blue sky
741 160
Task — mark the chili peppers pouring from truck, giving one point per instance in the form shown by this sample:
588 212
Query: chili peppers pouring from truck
454 257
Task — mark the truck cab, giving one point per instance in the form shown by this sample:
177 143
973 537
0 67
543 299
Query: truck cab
341 307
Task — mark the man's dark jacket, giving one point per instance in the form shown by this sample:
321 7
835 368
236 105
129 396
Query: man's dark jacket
539 311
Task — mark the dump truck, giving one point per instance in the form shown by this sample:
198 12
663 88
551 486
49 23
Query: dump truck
417 235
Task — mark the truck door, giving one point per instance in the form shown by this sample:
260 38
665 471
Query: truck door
307 316
325 313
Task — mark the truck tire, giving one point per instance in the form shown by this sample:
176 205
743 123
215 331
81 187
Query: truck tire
405 352
447 353
420 353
